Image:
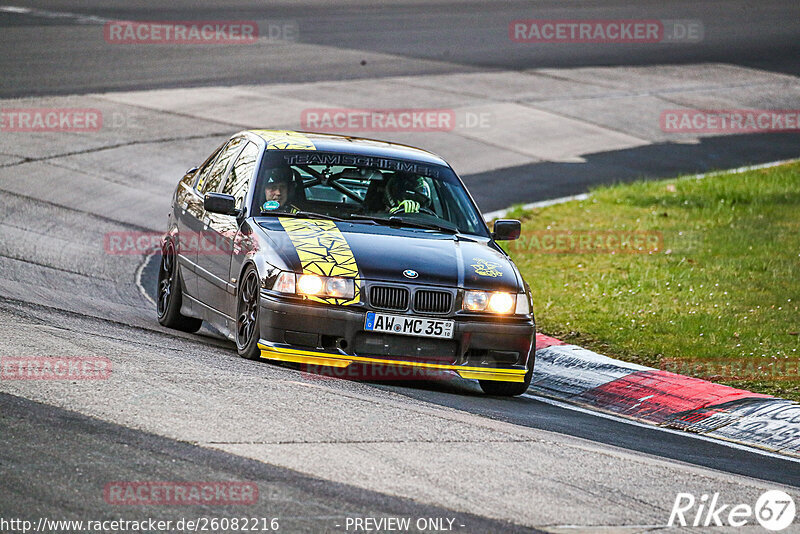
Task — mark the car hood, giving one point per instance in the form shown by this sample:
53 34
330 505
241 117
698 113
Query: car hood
384 253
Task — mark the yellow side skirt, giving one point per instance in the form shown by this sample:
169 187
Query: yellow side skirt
325 359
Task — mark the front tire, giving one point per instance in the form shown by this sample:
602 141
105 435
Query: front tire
248 330
170 295
507 389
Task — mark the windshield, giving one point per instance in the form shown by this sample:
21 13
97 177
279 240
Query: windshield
356 187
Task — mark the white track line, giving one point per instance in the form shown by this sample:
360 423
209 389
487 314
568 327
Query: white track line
544 203
138 276
42 13
533 205
684 433
745 169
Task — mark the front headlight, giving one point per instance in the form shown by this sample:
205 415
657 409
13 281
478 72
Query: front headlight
491 301
285 283
339 287
501 302
475 300
312 285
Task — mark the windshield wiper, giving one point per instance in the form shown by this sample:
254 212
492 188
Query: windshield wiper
400 221
302 215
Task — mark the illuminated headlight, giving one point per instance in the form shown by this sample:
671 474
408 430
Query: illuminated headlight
501 302
313 285
495 302
310 284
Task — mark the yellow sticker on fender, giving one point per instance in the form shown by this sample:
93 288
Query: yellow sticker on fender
486 268
323 251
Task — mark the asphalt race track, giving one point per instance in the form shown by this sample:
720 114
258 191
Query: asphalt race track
180 407
392 38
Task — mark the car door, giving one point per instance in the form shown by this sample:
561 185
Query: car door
188 213
223 229
210 253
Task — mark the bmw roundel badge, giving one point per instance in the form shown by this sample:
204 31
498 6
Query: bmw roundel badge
410 273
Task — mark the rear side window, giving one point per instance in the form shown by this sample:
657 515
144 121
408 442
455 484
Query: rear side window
209 183
240 177
202 174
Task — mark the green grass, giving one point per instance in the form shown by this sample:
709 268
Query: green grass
723 287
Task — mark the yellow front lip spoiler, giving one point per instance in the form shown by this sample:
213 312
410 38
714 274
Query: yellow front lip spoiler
325 359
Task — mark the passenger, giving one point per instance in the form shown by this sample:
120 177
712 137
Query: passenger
407 193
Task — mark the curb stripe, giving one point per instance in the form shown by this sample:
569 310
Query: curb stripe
772 423
633 422
658 395
567 371
543 341
579 376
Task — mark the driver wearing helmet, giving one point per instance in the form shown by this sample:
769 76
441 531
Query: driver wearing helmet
278 184
407 193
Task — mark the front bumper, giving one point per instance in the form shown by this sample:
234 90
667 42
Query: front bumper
334 336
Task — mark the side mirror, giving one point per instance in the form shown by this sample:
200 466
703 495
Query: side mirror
506 230
220 203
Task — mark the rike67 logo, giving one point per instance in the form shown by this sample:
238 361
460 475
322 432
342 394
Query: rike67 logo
774 510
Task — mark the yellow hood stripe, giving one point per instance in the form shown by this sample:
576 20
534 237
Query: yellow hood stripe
323 251
285 140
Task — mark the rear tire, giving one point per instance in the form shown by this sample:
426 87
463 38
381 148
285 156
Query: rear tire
507 389
170 294
248 299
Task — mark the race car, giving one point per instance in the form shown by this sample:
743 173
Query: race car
330 250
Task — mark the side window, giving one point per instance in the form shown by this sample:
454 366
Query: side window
241 175
212 181
459 210
202 174
436 203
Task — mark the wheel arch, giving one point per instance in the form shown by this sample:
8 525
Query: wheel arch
264 269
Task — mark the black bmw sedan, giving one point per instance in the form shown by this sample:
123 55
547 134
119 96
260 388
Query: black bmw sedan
334 251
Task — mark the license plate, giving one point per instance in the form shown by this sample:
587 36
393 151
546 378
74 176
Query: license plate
408 325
